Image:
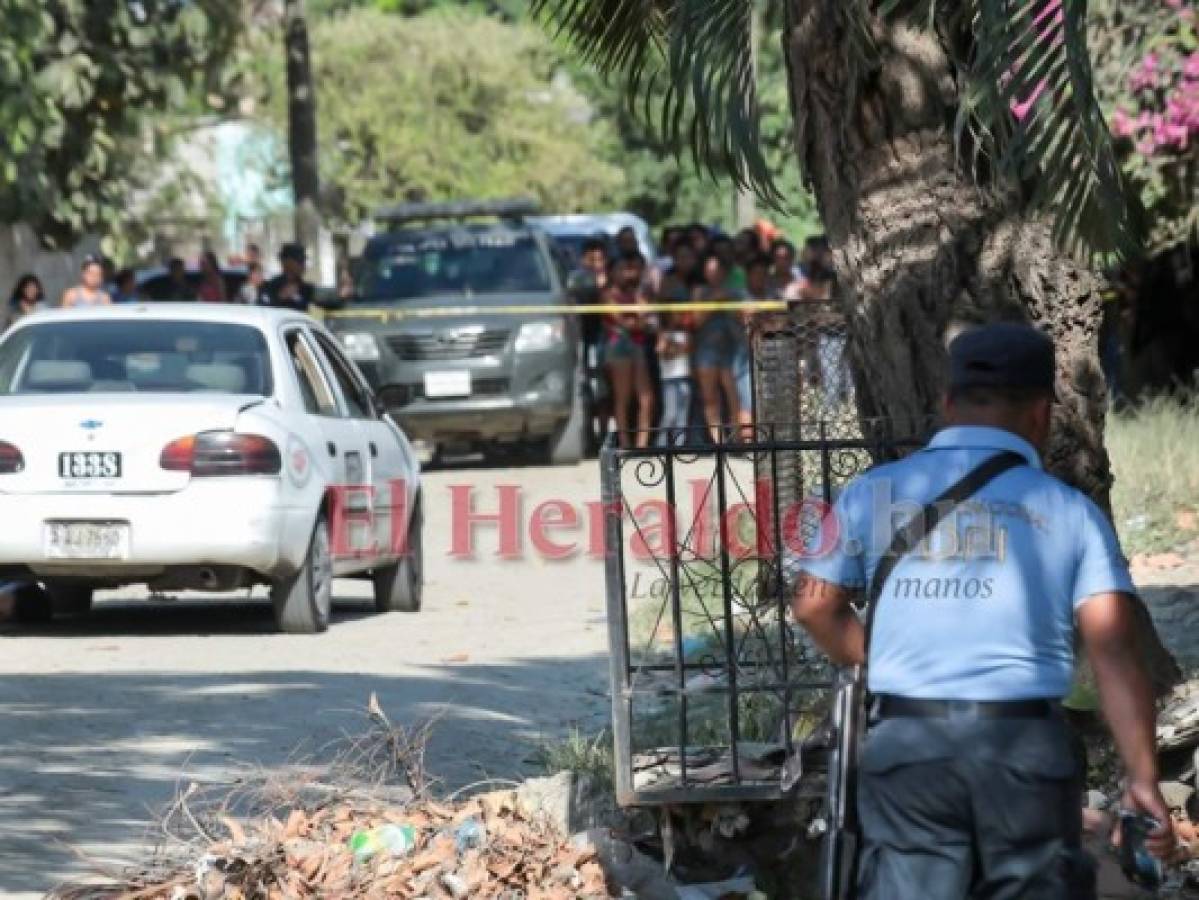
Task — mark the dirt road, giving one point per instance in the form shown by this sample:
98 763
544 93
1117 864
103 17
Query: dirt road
100 722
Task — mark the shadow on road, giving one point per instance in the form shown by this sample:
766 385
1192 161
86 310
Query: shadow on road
186 617
88 760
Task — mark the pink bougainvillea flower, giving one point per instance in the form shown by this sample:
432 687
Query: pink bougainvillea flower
1049 22
1122 124
1021 108
1145 75
1190 68
1182 107
1166 134
1049 9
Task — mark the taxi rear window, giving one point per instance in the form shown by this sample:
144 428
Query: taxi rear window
126 356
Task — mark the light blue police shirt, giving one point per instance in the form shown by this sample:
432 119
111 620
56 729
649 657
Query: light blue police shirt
985 609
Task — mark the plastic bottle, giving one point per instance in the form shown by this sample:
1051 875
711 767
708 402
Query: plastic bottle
470 835
395 840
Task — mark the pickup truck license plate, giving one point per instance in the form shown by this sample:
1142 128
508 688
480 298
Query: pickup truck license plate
89 464
447 384
87 540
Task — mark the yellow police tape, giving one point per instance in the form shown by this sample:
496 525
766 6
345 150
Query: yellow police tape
445 312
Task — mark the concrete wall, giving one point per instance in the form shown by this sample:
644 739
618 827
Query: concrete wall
21 252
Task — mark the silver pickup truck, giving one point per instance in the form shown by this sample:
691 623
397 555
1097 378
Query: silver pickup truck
453 373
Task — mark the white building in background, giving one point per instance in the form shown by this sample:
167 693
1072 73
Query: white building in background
225 187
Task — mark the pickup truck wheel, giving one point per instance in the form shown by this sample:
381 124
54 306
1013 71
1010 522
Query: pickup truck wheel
69 600
400 587
303 601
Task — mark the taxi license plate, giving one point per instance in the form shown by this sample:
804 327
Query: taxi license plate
89 464
87 540
447 384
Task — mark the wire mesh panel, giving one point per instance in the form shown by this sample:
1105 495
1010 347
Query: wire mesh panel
716 695
802 374
801 377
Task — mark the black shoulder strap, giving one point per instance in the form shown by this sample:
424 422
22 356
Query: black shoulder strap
923 524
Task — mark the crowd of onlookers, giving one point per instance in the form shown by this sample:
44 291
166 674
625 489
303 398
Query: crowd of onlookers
691 369
672 371
101 283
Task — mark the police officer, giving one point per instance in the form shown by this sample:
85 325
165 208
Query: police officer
969 781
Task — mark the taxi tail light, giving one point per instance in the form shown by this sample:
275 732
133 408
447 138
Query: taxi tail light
214 453
11 460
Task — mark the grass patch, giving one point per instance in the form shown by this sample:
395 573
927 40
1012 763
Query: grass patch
1154 449
701 605
583 754
758 643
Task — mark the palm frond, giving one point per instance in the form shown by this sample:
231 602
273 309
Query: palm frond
710 48
1031 105
618 37
691 62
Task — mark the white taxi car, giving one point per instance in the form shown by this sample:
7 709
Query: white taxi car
196 446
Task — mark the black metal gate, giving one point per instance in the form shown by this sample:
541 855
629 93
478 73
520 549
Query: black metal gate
716 695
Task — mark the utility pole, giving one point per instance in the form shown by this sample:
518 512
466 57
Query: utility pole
745 204
301 132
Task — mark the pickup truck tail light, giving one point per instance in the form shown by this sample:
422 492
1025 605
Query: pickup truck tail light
215 453
11 460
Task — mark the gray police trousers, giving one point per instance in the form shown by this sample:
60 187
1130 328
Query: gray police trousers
972 810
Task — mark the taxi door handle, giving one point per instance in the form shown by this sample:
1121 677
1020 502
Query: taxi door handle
332 448
374 449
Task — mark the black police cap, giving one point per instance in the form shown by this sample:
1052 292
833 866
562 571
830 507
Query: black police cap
1003 354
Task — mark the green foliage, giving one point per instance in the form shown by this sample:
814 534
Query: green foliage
448 104
508 10
656 183
77 79
1147 57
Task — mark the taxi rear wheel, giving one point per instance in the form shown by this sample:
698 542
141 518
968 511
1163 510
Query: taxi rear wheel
35 604
71 600
303 601
31 604
400 587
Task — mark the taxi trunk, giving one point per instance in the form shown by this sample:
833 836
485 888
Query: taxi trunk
103 444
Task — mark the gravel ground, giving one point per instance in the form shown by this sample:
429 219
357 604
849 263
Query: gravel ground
100 722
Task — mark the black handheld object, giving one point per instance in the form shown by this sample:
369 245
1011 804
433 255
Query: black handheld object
1139 866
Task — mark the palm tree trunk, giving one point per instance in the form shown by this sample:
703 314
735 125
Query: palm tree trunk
922 250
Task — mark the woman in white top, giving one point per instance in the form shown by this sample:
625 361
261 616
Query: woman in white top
90 290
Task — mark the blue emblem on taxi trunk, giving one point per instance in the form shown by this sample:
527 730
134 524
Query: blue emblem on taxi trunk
91 424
